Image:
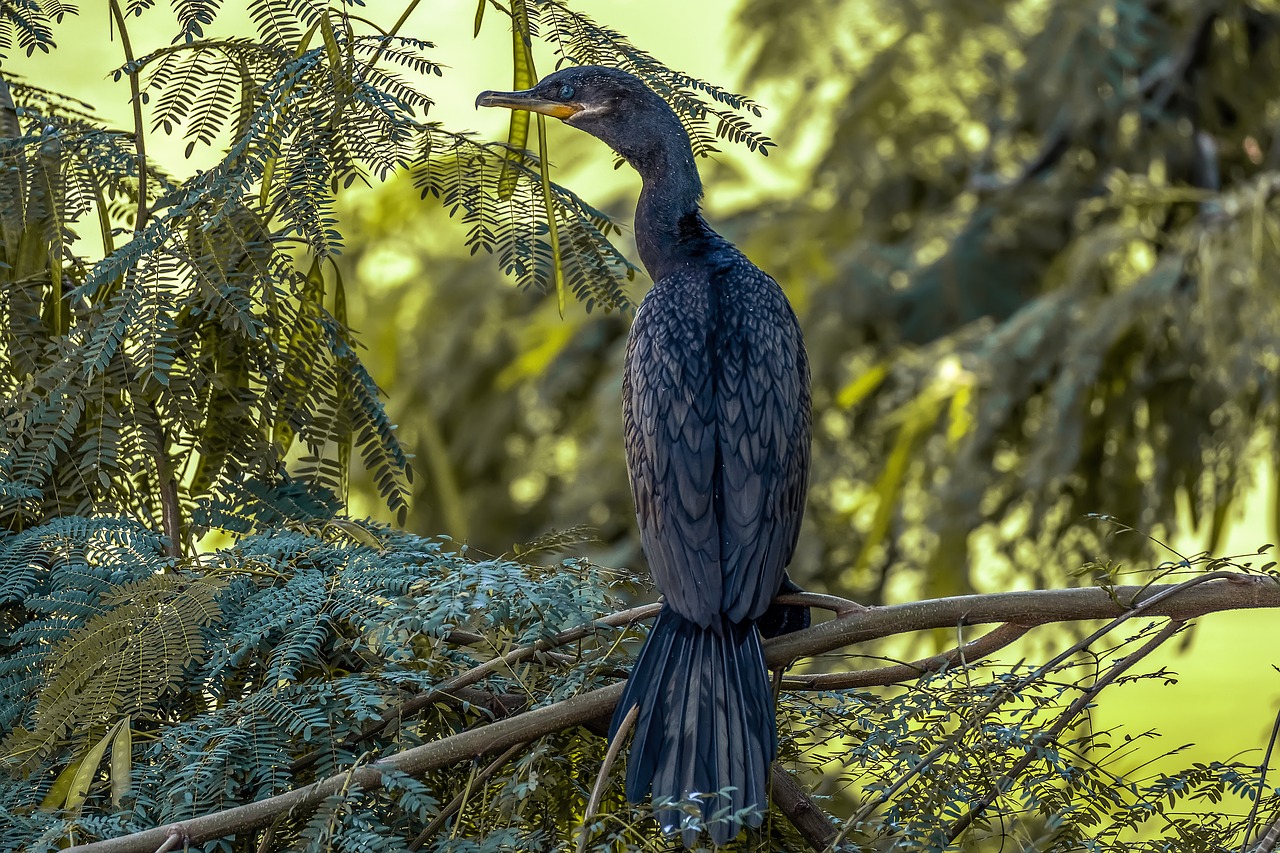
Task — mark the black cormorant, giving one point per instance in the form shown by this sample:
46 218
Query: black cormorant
716 414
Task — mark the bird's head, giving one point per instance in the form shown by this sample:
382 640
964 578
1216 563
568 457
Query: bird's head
612 105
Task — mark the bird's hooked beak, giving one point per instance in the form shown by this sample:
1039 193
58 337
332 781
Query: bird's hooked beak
526 100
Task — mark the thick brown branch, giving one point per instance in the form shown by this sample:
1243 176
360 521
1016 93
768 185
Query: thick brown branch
805 815
1224 592
1228 591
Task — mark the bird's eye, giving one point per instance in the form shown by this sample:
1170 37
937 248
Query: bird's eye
566 92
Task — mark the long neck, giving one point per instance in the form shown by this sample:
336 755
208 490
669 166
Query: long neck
669 230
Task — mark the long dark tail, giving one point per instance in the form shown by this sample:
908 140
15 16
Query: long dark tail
706 723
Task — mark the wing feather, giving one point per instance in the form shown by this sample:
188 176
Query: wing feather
762 406
669 418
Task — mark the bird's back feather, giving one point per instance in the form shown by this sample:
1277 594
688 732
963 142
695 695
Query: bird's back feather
716 414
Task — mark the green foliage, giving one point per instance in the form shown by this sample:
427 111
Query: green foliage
55 580
579 40
30 24
1080 792
1036 279
195 353
129 656
296 645
289 644
208 344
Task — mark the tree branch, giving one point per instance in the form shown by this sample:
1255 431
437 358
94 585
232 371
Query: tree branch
805 815
1043 739
478 673
974 650
1225 591
139 127
1220 591
1262 784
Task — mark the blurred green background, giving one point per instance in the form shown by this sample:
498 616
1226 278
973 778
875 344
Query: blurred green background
1033 246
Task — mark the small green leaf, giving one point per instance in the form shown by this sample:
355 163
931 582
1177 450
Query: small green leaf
356 533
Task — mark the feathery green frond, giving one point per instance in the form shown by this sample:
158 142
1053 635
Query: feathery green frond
297 644
708 112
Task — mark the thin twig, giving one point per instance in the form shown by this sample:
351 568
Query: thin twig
269 835
464 638
834 603
386 40
170 510
173 840
602 778
138 127
1043 739
455 804
1262 783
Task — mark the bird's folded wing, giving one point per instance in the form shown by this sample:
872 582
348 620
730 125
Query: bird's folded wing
669 414
762 416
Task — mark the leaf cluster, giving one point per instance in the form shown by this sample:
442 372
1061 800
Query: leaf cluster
708 112
924 754
319 644
209 342
196 351
278 652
